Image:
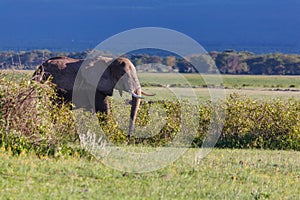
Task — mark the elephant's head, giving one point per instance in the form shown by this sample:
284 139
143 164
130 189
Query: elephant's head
125 77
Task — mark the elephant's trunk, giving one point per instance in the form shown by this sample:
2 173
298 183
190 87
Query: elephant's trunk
134 109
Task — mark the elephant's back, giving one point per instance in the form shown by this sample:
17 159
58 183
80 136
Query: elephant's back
63 71
61 63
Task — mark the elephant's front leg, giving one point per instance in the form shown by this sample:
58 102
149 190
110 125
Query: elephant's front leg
101 103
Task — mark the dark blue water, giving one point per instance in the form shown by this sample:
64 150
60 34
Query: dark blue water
260 26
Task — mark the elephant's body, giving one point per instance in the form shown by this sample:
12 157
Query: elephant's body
63 72
99 76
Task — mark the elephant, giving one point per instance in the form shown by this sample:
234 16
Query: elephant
100 75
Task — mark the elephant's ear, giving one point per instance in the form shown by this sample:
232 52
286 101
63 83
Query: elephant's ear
97 75
117 69
106 83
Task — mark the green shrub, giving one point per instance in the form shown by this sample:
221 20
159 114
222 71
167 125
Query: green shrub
116 135
248 123
31 120
255 124
171 127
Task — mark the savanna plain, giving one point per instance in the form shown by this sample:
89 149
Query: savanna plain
250 172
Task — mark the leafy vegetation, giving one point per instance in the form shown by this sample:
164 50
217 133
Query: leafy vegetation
32 119
232 62
256 124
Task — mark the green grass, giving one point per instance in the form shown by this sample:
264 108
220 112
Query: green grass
223 174
229 81
261 81
174 79
260 87
203 94
15 75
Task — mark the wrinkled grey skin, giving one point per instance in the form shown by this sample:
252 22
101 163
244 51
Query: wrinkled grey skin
87 76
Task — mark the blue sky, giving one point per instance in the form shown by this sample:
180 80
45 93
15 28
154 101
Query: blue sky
75 24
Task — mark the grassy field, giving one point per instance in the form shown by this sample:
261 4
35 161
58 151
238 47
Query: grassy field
259 87
203 94
196 80
229 81
223 174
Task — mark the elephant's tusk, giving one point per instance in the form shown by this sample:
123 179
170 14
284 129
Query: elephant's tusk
136 96
146 94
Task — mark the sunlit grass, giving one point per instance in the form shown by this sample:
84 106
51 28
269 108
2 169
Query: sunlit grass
204 94
223 174
229 81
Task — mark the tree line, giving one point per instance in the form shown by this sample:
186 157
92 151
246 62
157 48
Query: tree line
227 62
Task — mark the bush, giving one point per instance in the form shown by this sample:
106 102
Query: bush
31 120
166 134
248 123
255 124
150 132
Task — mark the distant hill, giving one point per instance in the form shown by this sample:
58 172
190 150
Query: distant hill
228 62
